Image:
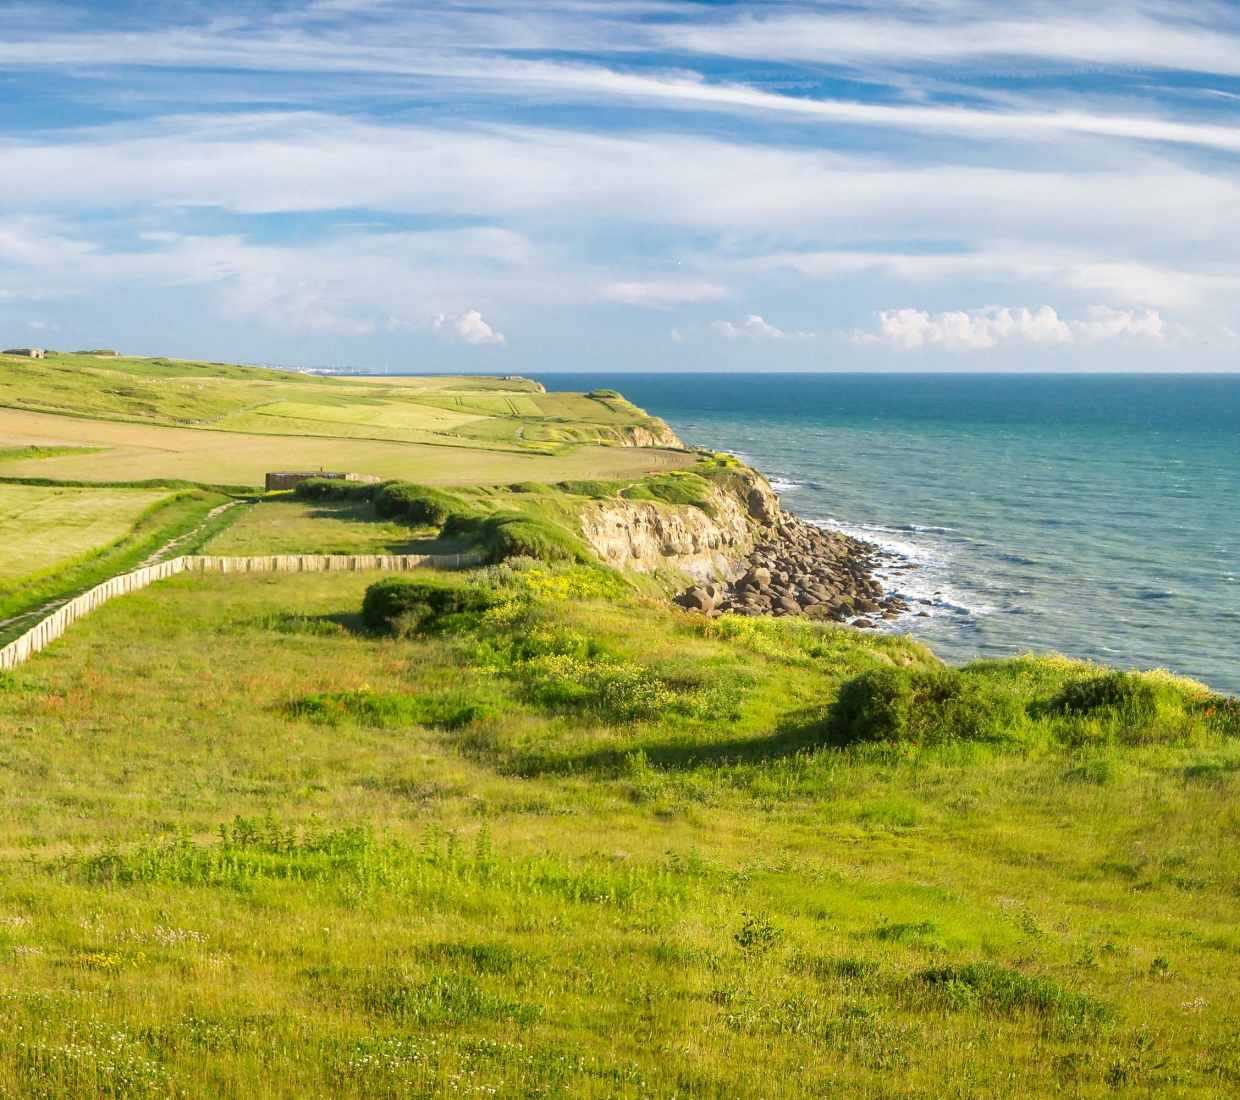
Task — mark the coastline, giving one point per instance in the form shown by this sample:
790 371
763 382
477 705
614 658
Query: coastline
797 567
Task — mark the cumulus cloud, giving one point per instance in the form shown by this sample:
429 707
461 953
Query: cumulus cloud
467 328
986 328
1107 324
754 328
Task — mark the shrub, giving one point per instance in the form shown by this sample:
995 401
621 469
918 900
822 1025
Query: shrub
401 603
334 488
1124 694
604 395
527 487
599 490
926 706
517 535
414 503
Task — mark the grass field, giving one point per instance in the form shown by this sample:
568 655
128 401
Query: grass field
298 527
182 514
135 451
589 846
486 414
42 529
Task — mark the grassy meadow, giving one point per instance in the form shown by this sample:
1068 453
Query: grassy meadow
290 526
582 844
530 830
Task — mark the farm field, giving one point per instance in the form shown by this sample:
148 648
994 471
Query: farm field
136 451
509 415
42 528
250 849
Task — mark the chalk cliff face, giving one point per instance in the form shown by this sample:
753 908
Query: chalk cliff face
657 434
648 535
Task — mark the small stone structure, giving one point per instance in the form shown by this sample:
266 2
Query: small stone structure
29 353
290 479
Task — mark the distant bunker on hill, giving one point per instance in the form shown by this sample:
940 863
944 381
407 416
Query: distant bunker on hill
29 353
290 479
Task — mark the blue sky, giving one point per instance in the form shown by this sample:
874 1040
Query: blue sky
509 186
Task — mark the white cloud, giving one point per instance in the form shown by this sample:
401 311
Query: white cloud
754 328
957 329
658 295
1108 324
467 328
986 328
1160 35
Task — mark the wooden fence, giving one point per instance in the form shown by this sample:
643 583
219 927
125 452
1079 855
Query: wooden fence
54 626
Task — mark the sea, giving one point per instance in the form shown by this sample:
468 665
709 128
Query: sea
1092 515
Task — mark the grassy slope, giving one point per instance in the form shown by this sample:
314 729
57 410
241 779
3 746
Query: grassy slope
183 513
671 886
42 528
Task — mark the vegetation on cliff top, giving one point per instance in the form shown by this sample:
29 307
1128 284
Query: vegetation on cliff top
553 838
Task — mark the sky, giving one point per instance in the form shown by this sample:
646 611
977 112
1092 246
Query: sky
512 186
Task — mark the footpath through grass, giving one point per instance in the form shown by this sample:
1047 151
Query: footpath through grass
569 842
46 549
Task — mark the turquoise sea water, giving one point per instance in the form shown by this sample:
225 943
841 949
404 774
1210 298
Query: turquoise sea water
1096 515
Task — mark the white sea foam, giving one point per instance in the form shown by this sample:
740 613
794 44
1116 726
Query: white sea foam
914 568
783 485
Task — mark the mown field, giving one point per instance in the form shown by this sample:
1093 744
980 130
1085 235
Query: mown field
132 451
573 842
43 528
487 416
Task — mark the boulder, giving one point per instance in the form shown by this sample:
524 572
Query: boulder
758 577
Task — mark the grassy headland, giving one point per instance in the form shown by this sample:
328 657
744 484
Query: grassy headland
532 831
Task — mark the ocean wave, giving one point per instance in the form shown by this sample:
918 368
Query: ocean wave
917 570
783 485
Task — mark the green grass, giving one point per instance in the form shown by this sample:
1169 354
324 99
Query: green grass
181 515
289 526
480 413
585 845
43 529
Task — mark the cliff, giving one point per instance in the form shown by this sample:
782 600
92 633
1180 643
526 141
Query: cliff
705 540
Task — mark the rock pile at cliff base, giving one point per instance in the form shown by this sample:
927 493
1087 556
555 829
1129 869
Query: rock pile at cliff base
799 569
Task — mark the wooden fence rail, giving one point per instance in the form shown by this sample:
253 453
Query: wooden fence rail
54 626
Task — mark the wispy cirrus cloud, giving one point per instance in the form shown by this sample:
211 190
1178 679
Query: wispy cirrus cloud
345 169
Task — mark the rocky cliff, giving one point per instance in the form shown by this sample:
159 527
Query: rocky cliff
707 545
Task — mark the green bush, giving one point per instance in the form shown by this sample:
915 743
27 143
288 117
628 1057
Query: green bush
604 395
925 706
517 535
401 603
414 503
1124 694
334 488
599 490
